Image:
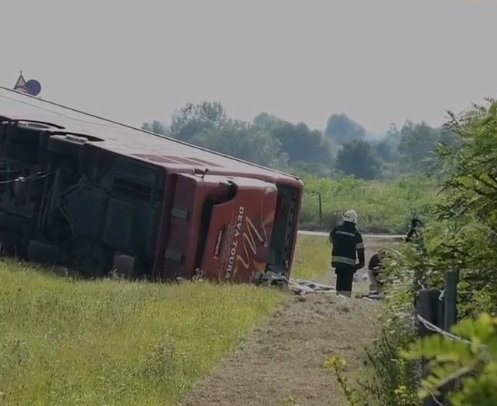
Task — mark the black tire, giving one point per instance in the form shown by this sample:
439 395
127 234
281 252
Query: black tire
38 251
124 266
7 249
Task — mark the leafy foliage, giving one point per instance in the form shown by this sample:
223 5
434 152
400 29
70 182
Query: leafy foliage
472 188
417 146
388 147
301 144
242 140
466 233
156 127
337 365
342 129
194 119
359 159
470 362
208 125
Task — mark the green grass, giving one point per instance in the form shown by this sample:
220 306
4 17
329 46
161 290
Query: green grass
312 257
108 342
382 206
111 342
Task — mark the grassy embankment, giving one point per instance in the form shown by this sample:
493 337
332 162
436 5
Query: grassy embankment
65 342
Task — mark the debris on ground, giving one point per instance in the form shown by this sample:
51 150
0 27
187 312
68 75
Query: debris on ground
371 295
303 287
270 278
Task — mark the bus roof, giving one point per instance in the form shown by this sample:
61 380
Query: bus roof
122 138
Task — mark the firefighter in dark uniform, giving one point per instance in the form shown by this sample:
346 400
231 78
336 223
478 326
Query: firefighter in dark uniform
415 235
348 246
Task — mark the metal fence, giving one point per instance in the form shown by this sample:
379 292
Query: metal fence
436 313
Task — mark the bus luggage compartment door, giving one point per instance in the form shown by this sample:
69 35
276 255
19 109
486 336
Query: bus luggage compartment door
239 233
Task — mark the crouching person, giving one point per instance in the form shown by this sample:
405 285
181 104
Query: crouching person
374 270
348 246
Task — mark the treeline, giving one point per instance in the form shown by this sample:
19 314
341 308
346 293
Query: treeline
343 147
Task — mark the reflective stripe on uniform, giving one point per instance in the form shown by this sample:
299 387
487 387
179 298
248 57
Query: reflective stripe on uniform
359 246
345 233
343 260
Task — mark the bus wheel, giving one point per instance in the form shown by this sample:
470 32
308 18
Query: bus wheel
124 266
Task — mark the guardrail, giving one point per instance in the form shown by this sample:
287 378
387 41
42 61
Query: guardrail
436 313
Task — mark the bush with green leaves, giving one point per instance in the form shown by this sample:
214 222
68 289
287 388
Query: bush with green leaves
465 233
469 362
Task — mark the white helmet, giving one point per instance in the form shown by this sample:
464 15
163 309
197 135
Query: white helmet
350 216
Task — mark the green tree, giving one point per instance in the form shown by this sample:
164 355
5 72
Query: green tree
193 119
267 121
469 207
418 146
388 147
156 127
302 144
245 141
207 124
358 158
342 129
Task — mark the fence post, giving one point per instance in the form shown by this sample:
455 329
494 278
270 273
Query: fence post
424 310
428 308
450 314
320 211
450 299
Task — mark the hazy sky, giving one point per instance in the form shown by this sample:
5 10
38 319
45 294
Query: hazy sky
379 61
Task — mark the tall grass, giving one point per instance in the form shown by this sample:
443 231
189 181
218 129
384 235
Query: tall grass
383 206
312 257
108 342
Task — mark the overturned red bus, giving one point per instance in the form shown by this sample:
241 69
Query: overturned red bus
94 196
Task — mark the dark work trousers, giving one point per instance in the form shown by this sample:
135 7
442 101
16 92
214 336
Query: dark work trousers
345 277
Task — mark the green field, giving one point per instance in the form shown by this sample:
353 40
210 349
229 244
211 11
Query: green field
68 342
382 206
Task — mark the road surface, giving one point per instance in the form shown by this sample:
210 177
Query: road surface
365 236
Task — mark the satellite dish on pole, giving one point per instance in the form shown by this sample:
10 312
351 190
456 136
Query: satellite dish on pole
33 87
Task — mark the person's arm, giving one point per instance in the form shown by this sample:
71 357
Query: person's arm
359 246
373 262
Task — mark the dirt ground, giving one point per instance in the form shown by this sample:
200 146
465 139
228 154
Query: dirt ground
281 363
